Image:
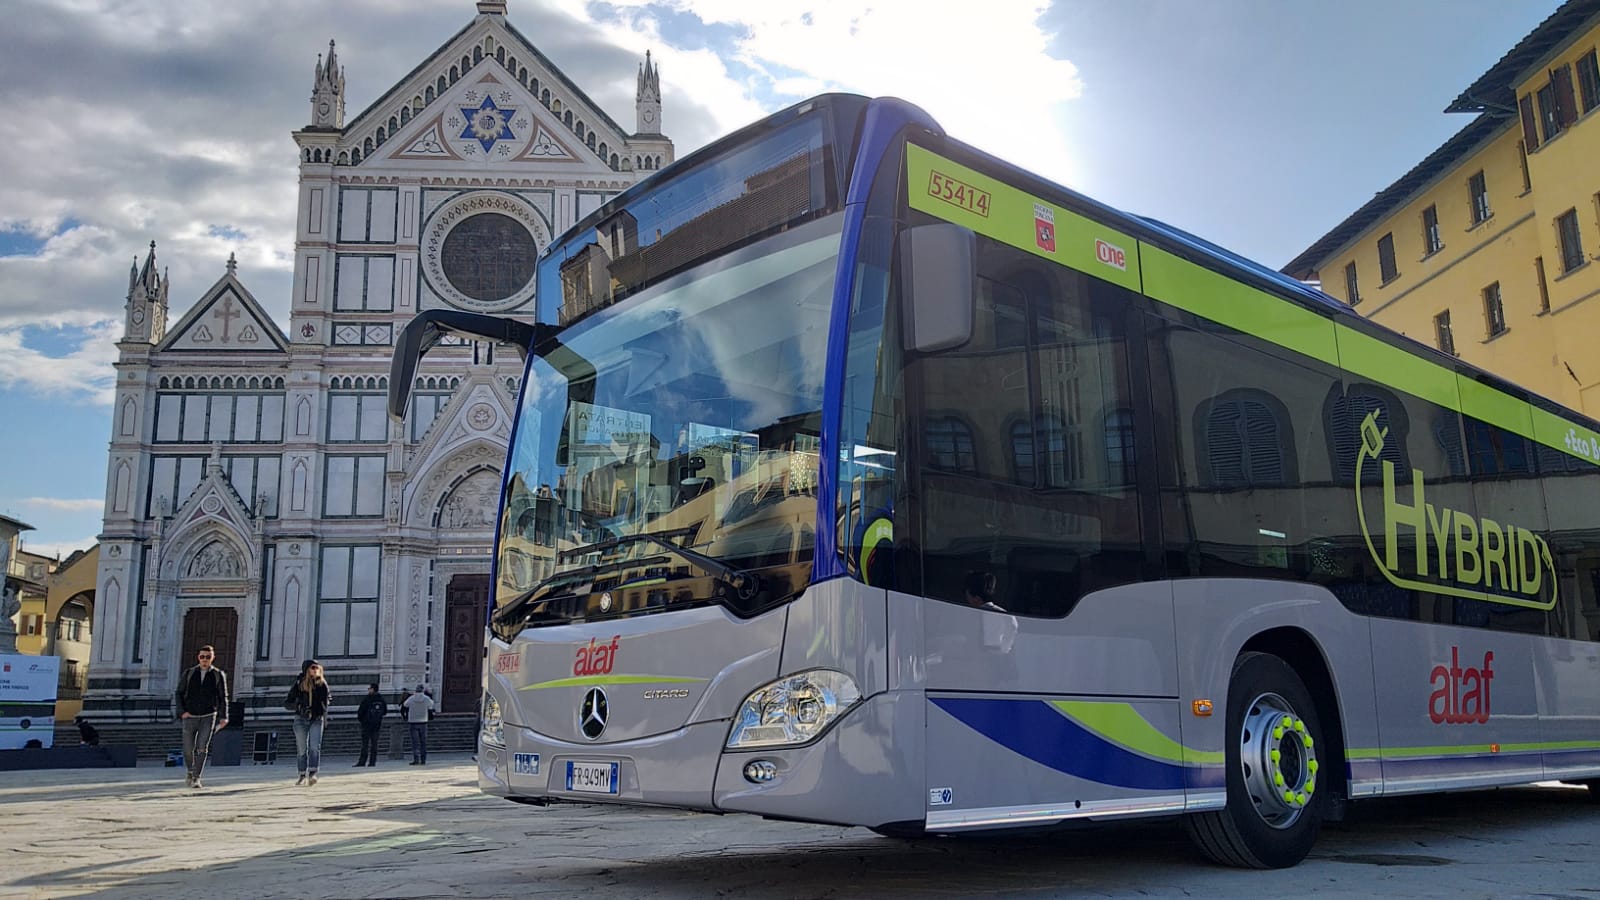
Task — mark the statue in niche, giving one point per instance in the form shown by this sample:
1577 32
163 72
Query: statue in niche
215 560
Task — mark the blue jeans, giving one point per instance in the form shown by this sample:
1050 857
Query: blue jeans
419 741
308 743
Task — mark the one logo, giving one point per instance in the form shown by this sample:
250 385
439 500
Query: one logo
592 713
1044 227
1460 696
1111 255
1447 551
605 602
595 658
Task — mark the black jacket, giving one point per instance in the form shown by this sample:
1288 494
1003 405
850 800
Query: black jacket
202 694
372 710
313 707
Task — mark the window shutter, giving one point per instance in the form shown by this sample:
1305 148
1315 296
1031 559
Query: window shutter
1530 123
1566 107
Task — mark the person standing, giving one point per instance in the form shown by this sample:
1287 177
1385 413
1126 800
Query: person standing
309 698
419 709
370 714
202 709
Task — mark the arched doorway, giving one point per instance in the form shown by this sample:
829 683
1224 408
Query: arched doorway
214 625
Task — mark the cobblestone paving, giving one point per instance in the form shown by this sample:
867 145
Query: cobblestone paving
405 831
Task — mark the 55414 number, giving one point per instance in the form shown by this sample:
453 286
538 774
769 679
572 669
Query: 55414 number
958 193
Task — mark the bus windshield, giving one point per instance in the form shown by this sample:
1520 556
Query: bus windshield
666 452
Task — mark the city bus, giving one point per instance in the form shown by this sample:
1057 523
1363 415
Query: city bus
860 477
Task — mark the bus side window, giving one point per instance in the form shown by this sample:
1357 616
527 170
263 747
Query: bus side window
1026 441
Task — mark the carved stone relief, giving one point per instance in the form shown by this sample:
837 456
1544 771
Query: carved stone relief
215 560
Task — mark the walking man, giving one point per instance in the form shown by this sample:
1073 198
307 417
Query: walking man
418 710
370 714
203 710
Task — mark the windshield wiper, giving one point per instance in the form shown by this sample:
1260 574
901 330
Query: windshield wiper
744 584
544 589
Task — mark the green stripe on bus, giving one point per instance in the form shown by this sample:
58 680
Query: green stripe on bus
1177 282
1453 750
1120 723
1554 431
950 191
964 196
1490 405
1383 363
609 679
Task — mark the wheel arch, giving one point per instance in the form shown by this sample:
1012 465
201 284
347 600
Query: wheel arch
1301 652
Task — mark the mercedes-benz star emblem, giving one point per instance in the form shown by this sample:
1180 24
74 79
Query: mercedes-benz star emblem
592 714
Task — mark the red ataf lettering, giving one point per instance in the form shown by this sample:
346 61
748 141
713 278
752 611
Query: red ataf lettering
596 658
1111 255
1460 696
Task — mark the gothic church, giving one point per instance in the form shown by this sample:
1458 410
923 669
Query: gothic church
258 498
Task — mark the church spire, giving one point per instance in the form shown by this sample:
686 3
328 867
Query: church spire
647 100
327 92
146 321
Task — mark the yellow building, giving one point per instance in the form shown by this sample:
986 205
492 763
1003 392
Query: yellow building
69 610
29 572
1484 249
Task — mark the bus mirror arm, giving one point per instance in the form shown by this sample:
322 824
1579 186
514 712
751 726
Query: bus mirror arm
937 270
427 329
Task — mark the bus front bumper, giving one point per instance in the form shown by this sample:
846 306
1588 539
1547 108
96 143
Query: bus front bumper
866 770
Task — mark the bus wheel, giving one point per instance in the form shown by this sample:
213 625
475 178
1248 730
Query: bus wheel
1274 808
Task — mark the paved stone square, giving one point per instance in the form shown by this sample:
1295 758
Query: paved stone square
409 831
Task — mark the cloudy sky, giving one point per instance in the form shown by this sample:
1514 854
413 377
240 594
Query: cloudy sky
1259 124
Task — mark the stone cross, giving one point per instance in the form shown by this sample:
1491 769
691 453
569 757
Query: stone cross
227 313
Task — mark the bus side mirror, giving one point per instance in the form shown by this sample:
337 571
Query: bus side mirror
427 329
937 265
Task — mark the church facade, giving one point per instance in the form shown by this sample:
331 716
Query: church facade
258 498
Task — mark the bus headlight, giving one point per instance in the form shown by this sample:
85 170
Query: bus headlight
493 730
792 710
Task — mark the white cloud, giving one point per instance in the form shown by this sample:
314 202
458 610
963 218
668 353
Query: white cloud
58 549
85 505
173 122
981 69
84 373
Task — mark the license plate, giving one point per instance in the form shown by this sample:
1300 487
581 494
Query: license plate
525 764
592 778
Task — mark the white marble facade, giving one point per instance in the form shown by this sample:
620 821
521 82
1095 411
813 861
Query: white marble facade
253 469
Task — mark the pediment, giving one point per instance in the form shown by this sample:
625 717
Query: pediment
496 123
445 111
228 319
212 503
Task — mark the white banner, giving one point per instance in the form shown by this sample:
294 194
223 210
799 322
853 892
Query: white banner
27 700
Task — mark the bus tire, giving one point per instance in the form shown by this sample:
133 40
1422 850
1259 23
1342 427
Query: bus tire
1274 808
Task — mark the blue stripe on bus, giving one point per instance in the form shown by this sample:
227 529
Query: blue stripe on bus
1572 757
882 122
1035 730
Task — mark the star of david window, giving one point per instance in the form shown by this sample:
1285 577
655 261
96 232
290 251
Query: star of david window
488 123
489 256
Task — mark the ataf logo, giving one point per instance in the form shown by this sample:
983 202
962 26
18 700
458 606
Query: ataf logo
596 658
1460 696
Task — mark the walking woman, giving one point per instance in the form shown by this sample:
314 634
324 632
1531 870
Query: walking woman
308 697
